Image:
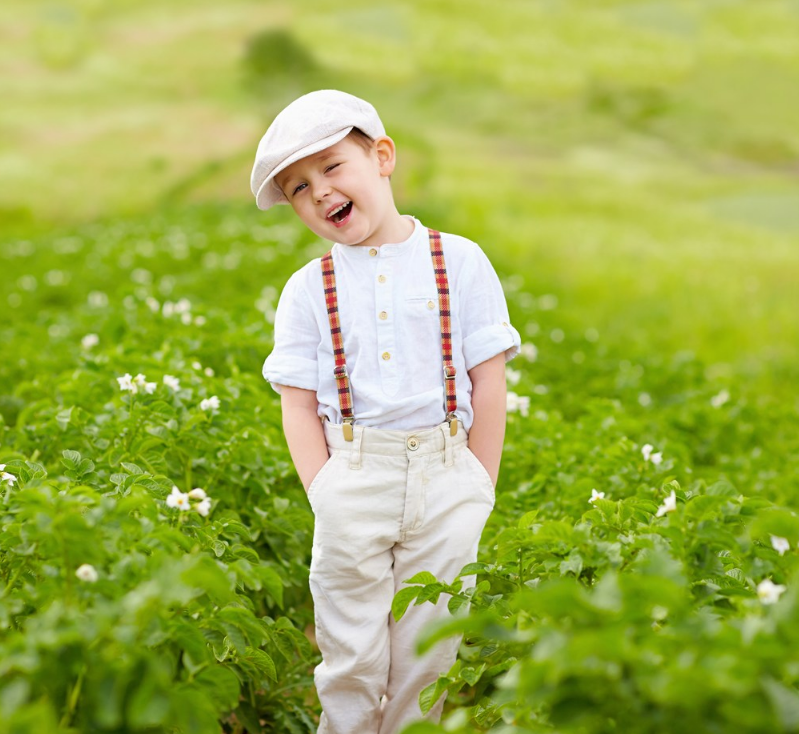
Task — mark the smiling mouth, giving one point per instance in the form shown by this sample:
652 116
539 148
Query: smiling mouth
341 213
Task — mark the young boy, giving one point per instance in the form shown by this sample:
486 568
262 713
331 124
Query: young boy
397 340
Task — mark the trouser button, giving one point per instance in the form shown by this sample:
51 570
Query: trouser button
412 443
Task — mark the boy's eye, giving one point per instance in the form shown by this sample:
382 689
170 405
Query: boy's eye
298 189
330 168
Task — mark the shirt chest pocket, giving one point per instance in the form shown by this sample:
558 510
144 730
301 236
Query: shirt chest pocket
423 323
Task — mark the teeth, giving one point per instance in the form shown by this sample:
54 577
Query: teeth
337 210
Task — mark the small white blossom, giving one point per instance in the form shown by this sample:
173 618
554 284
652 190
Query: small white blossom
204 507
512 376
185 318
6 477
199 320
768 592
646 450
197 494
178 499
529 351
645 399
141 382
89 341
596 496
780 544
656 458
669 504
87 572
172 382
519 403
718 400
211 403
209 372
196 365
126 383
152 304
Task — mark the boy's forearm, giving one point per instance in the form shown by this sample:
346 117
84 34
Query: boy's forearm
306 440
489 405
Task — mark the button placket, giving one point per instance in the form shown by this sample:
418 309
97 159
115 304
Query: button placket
383 315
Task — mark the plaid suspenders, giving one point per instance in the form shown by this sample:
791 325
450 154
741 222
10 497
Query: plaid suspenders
340 369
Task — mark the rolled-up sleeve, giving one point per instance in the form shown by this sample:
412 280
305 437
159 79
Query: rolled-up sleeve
485 322
293 360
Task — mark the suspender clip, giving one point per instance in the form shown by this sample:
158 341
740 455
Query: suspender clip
453 424
340 371
346 429
449 372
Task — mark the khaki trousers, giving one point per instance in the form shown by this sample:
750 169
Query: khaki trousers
387 505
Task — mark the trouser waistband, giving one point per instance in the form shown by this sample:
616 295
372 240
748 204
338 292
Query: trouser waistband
368 440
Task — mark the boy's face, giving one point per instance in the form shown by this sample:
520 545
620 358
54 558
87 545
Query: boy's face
342 193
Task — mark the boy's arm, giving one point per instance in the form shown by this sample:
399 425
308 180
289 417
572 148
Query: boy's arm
489 396
304 432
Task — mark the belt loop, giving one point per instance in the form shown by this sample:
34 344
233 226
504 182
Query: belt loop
355 451
448 442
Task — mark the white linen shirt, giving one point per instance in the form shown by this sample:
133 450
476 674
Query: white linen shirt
388 309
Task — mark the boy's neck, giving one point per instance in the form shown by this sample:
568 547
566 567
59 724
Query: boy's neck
398 229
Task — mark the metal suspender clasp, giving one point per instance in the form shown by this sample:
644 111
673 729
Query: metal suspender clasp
449 372
453 424
340 371
346 428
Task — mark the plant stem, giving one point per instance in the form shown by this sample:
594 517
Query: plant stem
72 699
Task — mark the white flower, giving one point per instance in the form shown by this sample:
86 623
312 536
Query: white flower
6 477
669 505
89 341
512 376
518 402
211 403
204 507
199 320
185 318
152 304
141 382
87 572
209 372
196 365
780 544
2 467
646 450
645 399
718 400
768 592
529 351
197 494
596 496
172 382
178 499
126 383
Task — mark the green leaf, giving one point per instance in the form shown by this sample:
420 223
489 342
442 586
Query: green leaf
70 459
423 577
131 468
431 693
63 417
402 601
473 568
221 684
262 661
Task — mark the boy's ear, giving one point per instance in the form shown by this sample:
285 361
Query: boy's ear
386 154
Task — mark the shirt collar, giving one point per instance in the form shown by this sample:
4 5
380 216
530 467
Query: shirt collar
389 249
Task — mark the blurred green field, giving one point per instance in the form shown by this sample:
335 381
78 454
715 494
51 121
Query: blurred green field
636 159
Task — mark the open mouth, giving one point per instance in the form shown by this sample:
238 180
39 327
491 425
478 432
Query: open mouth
338 215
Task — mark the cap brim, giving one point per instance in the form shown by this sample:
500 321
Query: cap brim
269 192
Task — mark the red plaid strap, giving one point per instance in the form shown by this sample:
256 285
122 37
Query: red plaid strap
445 313
340 370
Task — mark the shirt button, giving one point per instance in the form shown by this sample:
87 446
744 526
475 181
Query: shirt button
412 443
386 356
431 305
381 278
372 252
504 323
383 315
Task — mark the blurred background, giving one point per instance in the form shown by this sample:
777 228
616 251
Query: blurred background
635 163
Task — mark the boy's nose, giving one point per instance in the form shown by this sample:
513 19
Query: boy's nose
320 190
